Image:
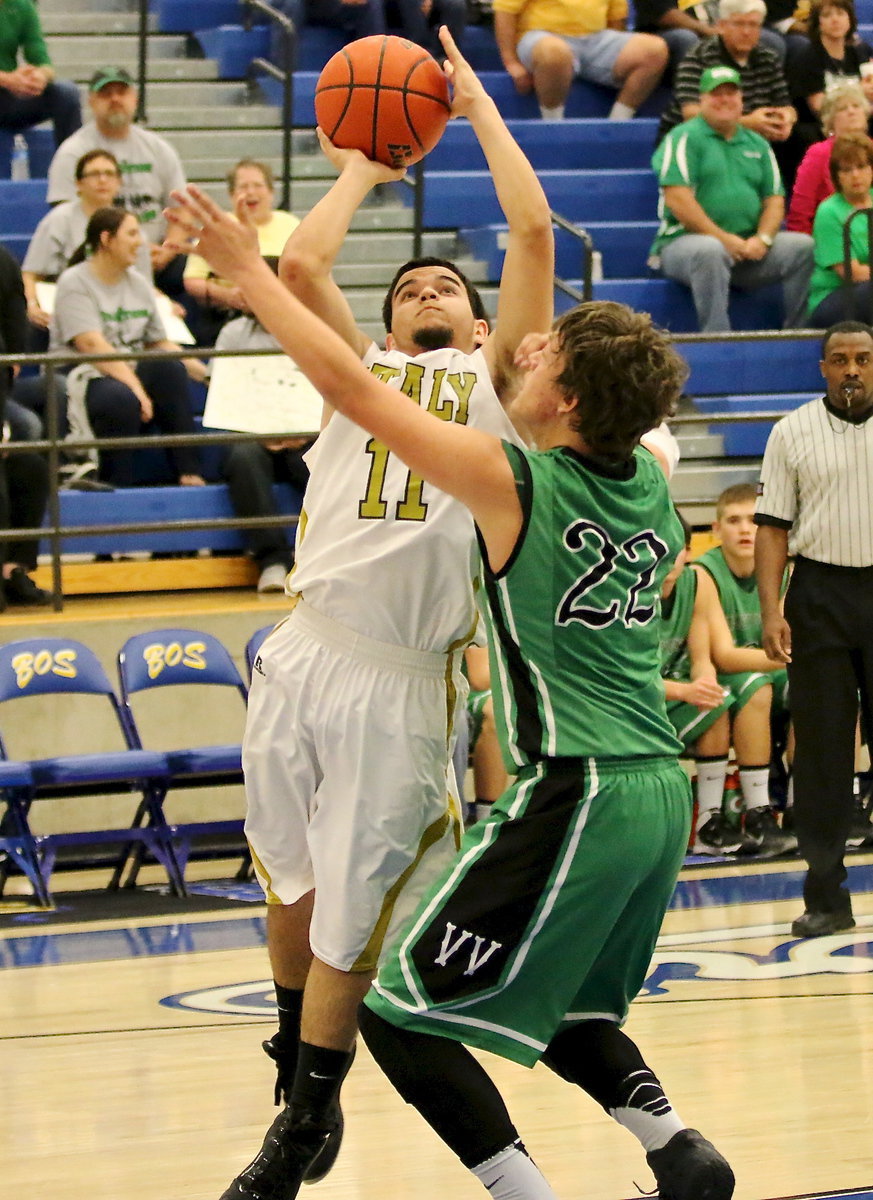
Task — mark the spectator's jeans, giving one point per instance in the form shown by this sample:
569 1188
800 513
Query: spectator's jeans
422 29
59 103
251 470
113 411
24 491
701 262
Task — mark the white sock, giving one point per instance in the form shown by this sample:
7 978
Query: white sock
754 784
711 774
621 112
789 795
511 1175
555 113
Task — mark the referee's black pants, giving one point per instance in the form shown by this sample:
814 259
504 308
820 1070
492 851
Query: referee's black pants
830 611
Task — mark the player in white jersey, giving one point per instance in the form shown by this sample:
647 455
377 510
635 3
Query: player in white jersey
354 696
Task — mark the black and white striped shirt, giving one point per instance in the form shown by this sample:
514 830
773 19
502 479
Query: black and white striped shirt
817 481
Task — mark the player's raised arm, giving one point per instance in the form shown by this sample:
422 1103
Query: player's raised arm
310 253
465 462
525 299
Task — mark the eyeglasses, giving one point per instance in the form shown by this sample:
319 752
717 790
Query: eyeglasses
744 22
100 175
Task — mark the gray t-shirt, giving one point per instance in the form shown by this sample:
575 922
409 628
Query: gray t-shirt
59 234
150 170
124 312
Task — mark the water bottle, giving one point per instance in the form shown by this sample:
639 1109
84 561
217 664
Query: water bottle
20 159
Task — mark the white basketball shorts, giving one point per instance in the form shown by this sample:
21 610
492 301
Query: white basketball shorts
348 777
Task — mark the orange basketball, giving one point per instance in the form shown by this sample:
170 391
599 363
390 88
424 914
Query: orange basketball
384 96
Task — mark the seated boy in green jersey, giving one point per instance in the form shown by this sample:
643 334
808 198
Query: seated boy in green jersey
761 688
717 695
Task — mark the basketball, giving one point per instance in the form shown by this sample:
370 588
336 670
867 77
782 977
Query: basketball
384 96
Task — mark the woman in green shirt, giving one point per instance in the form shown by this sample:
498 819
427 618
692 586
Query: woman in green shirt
852 173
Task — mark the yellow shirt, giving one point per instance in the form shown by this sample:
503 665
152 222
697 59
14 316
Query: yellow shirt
271 239
572 18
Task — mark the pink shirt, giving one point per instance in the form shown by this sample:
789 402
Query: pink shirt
812 185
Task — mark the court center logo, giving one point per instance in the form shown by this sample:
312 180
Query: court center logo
684 966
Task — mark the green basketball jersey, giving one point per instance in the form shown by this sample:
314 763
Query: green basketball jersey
574 614
676 613
739 599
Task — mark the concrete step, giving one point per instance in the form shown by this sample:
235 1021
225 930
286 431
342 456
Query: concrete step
184 92
211 115
355 275
366 247
120 49
63 22
704 479
95 8
698 445
205 147
80 69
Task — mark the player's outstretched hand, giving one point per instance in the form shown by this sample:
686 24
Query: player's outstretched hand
196 223
342 158
466 86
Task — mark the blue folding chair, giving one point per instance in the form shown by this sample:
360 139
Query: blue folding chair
65 668
254 644
181 657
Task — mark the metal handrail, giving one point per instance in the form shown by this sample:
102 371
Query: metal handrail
285 74
585 238
142 59
848 282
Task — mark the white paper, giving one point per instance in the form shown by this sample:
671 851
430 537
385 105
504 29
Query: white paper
176 329
268 394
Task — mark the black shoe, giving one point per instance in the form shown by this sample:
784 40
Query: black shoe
690 1168
860 831
20 589
285 1067
767 838
820 924
277 1170
716 836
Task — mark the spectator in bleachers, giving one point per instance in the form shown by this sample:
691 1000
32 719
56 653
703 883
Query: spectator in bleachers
767 107
785 26
852 173
23 475
681 23
845 109
150 167
251 469
29 92
721 209
250 185
418 20
760 684
62 230
832 54
103 304
545 44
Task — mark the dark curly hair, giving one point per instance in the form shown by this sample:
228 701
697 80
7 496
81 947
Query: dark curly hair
475 299
624 372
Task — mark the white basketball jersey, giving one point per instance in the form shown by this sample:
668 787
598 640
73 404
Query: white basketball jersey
378 549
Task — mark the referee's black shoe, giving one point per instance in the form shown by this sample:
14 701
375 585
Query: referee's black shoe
820 924
690 1168
276 1172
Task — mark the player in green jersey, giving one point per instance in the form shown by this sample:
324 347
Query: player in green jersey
717 696
760 696
540 934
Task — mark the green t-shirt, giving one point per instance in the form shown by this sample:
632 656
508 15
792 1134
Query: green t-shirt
677 609
738 596
827 233
574 615
730 177
20 30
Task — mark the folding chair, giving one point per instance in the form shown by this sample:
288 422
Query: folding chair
178 658
17 844
67 669
254 644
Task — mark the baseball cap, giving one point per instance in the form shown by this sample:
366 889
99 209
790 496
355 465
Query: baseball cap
714 77
105 75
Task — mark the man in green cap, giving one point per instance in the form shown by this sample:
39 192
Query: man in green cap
150 167
721 209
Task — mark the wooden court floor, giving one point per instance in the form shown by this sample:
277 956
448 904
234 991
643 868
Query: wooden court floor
132 1067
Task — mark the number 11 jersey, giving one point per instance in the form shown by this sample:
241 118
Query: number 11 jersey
378 549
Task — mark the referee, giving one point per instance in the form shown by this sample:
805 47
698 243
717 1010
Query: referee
817 484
